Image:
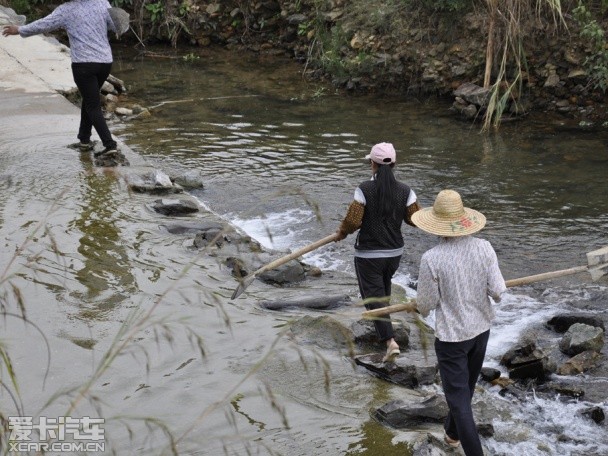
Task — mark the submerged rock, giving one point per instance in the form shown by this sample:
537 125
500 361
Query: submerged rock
403 415
186 227
111 160
317 302
176 206
324 332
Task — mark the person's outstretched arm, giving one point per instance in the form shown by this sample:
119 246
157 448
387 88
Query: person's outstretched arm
10 30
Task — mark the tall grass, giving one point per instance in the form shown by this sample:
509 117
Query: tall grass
127 340
506 49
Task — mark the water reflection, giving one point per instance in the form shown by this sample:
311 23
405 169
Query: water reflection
106 270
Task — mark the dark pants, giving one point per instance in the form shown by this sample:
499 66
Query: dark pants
89 77
374 276
459 365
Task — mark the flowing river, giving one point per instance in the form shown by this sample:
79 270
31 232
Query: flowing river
281 159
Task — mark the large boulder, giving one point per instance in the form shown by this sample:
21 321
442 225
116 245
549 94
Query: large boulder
562 322
410 369
581 337
526 362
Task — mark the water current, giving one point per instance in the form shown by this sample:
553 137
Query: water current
283 156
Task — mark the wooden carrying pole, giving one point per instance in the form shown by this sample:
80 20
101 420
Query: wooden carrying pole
597 266
246 281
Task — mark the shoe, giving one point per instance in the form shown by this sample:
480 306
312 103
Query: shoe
107 150
85 147
450 441
391 353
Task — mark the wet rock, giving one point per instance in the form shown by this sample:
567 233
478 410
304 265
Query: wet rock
561 389
580 363
430 445
562 322
472 93
118 84
111 160
365 334
210 236
155 182
186 227
410 369
318 302
175 206
526 362
191 179
485 430
107 87
489 374
291 272
402 415
581 337
123 111
595 413
324 332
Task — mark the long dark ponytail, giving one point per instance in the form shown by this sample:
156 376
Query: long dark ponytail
386 186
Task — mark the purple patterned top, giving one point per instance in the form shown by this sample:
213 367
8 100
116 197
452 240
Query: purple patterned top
456 278
87 23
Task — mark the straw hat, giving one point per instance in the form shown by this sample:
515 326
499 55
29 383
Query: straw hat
448 217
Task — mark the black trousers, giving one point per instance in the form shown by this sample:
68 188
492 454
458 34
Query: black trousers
89 77
374 276
459 366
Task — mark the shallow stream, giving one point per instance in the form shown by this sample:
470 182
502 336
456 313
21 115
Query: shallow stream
281 159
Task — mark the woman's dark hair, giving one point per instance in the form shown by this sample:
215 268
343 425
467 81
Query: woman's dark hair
386 185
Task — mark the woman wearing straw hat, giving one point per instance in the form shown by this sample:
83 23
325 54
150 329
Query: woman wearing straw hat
379 208
456 278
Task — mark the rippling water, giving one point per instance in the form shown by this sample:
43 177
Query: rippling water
282 159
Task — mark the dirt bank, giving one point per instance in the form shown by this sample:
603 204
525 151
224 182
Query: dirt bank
407 49
546 60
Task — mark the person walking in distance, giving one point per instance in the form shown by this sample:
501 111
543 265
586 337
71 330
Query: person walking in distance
380 207
87 23
457 277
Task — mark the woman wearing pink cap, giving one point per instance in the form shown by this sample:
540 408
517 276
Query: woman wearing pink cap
379 208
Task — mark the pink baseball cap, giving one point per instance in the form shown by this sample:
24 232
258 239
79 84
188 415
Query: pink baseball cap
383 154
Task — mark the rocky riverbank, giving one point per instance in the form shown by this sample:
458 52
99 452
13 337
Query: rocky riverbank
551 62
408 50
